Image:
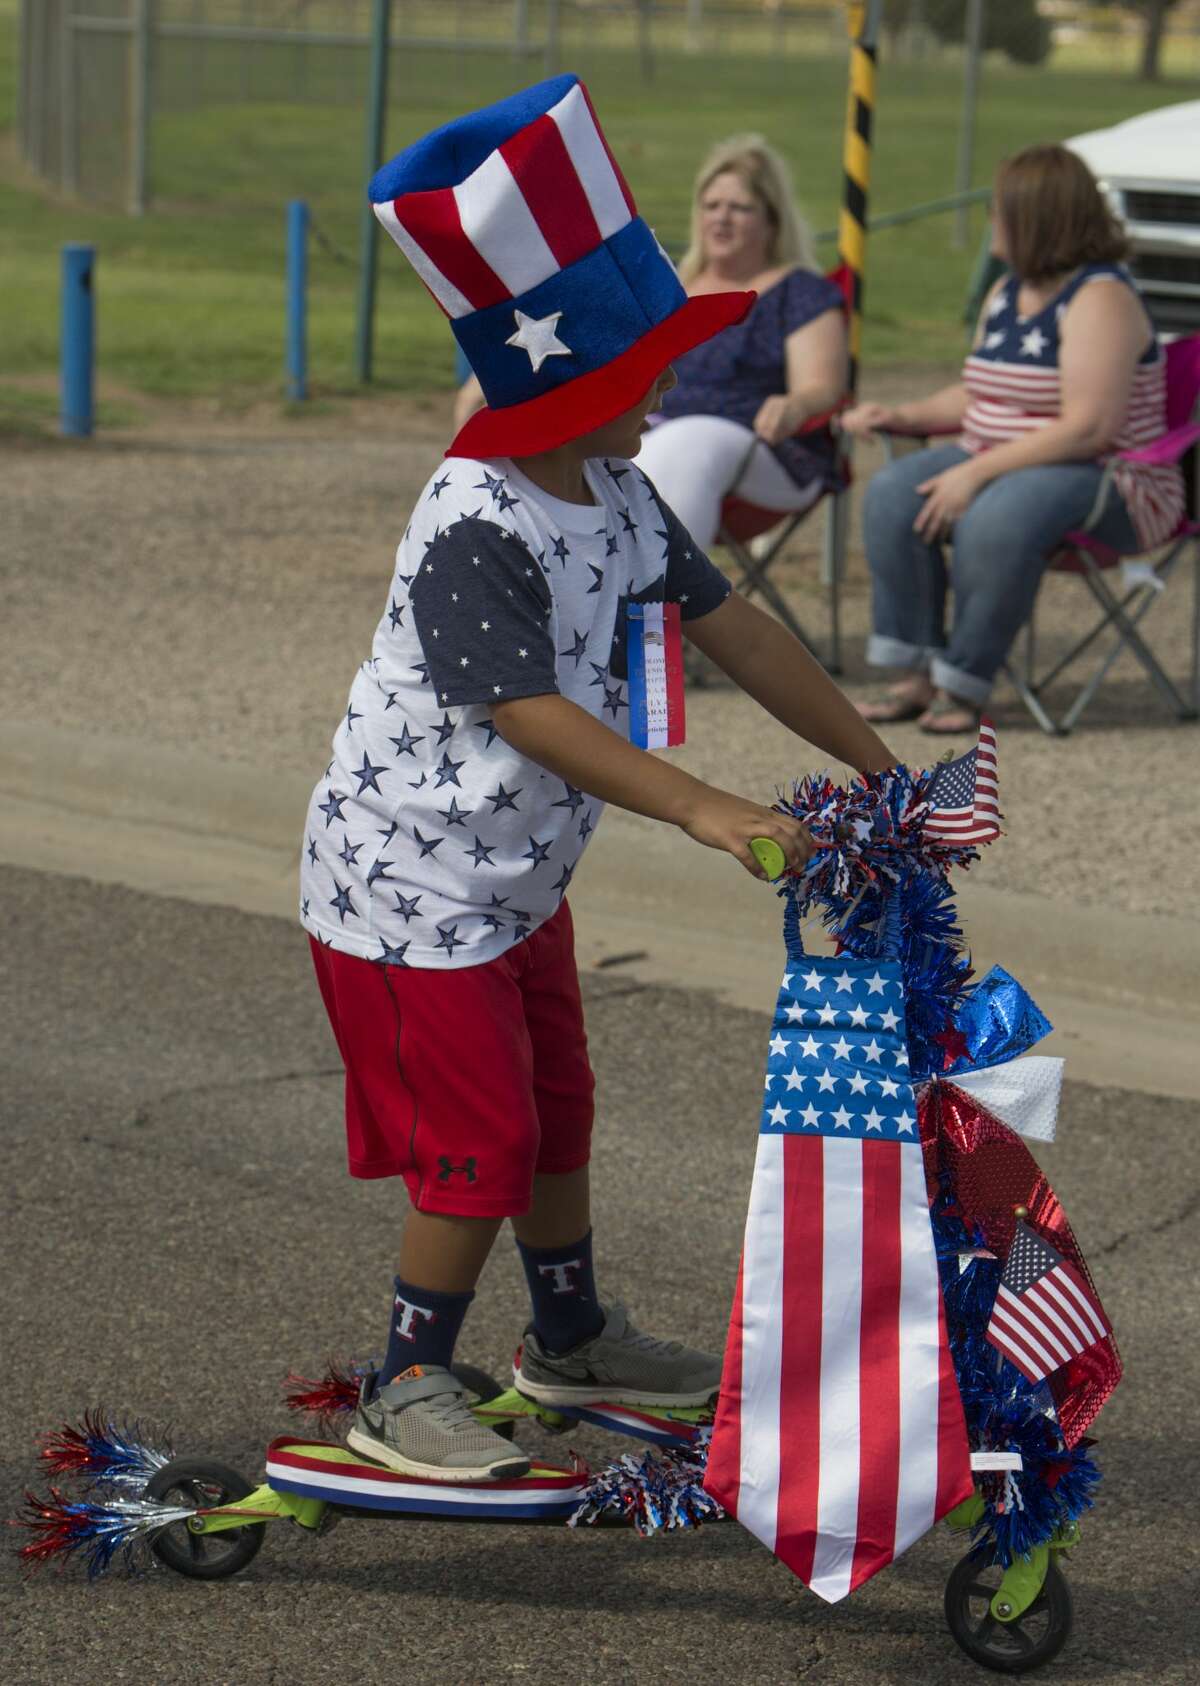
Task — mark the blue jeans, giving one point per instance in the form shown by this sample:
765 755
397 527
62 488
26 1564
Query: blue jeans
1000 548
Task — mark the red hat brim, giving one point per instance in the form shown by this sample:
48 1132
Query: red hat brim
587 402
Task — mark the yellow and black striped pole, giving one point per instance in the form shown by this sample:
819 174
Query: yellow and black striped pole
863 24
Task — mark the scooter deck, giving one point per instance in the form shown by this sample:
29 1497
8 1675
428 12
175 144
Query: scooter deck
322 1470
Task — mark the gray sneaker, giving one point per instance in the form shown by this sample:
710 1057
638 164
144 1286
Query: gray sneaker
420 1424
619 1366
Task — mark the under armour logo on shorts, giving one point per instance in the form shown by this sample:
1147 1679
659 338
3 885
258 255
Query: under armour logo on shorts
562 1280
408 1316
447 1169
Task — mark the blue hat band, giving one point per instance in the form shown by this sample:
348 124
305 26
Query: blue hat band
603 304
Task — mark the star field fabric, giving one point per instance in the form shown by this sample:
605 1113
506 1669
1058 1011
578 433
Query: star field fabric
839 1437
1014 387
1046 1313
430 841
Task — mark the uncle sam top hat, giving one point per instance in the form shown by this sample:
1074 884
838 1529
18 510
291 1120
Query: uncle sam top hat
521 225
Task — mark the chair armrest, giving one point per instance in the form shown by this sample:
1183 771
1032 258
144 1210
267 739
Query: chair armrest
1169 447
917 432
824 422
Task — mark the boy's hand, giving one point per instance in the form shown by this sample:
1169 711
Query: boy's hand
729 822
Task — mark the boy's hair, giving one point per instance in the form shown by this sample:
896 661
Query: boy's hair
1053 214
764 174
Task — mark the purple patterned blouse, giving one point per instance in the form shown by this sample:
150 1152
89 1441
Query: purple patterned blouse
732 373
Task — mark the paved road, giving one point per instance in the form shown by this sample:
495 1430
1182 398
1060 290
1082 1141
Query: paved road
179 1232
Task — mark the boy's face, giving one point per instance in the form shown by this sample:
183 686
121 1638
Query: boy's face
622 437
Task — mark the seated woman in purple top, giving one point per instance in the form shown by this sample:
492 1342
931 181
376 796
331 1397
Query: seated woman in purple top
730 423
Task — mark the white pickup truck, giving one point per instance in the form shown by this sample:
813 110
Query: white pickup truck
1149 167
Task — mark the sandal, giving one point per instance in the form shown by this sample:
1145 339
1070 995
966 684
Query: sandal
947 717
897 703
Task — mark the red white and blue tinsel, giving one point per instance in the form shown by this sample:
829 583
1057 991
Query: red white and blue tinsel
110 1518
656 1493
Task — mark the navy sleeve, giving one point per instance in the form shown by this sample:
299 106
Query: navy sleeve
805 296
481 607
692 580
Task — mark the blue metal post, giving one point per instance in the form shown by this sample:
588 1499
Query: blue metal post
297 299
77 339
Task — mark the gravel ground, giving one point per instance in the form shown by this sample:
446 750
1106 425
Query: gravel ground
212 584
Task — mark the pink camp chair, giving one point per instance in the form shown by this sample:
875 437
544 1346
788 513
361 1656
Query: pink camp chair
1081 554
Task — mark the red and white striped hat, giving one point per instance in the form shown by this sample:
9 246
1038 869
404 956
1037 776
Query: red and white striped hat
518 220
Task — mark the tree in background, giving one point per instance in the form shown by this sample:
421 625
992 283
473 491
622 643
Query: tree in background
1154 19
1013 27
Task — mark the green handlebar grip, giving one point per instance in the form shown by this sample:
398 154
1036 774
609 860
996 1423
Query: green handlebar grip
769 856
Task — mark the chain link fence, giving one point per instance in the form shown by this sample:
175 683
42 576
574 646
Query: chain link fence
94 73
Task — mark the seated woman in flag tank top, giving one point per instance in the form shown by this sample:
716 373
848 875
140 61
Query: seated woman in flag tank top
1065 370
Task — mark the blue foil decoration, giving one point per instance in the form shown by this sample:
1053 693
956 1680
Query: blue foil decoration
1000 1021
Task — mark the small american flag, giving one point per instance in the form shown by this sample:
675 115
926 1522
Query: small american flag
963 795
1046 1312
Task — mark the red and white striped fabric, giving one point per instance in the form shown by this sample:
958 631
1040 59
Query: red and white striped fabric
539 202
839 1437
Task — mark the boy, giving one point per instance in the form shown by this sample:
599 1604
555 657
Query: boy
480 742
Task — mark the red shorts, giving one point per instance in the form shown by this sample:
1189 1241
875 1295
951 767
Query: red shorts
466 1081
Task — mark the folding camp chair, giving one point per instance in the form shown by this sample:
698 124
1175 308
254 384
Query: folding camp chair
1145 578
743 522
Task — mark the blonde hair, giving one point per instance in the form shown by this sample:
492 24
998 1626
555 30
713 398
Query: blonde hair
764 174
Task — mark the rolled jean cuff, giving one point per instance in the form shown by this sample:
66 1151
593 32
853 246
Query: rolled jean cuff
892 652
968 686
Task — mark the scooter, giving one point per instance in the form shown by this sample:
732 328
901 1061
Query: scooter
1010 1621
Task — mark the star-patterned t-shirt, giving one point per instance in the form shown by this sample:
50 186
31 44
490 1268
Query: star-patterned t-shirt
430 841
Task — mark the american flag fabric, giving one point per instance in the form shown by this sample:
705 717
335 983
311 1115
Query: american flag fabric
964 796
1014 388
547 194
1046 1312
839 1437
520 223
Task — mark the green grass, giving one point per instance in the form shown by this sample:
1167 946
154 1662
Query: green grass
190 299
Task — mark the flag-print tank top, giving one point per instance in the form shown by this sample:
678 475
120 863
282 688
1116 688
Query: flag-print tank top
1013 388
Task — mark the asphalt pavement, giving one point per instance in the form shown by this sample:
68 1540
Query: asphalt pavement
180 1232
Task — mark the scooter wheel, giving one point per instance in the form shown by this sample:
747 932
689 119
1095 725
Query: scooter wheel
1015 1647
482 1386
203 1484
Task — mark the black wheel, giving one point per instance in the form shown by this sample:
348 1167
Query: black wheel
1007 1647
482 1386
203 1484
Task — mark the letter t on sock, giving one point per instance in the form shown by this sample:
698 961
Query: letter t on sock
562 1292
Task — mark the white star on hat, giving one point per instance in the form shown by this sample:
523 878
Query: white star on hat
536 335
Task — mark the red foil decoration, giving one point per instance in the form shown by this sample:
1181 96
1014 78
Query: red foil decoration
326 1399
992 1172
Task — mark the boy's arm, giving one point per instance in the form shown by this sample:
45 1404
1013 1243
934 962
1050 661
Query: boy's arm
560 735
770 665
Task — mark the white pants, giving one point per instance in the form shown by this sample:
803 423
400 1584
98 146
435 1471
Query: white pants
695 462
